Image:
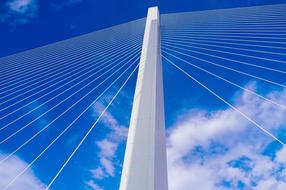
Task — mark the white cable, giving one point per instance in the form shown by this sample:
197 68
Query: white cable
71 63
240 49
231 69
227 103
104 56
89 131
220 41
54 97
228 81
241 62
117 56
60 47
27 125
231 53
35 135
234 36
66 129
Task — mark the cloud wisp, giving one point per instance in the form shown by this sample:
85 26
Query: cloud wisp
107 147
222 151
11 168
20 11
218 150
93 186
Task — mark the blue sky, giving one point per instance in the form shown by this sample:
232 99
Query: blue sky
51 21
209 145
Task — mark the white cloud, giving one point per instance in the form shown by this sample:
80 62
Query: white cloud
109 145
108 148
20 11
119 131
11 168
281 156
91 185
218 150
107 151
98 173
221 150
20 6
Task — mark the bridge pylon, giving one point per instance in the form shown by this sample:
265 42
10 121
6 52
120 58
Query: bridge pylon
145 165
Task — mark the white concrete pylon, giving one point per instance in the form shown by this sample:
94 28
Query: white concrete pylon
145 165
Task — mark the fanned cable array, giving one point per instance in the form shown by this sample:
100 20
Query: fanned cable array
245 42
51 89
58 84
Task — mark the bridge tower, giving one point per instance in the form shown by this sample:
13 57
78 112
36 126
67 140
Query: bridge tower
145 165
